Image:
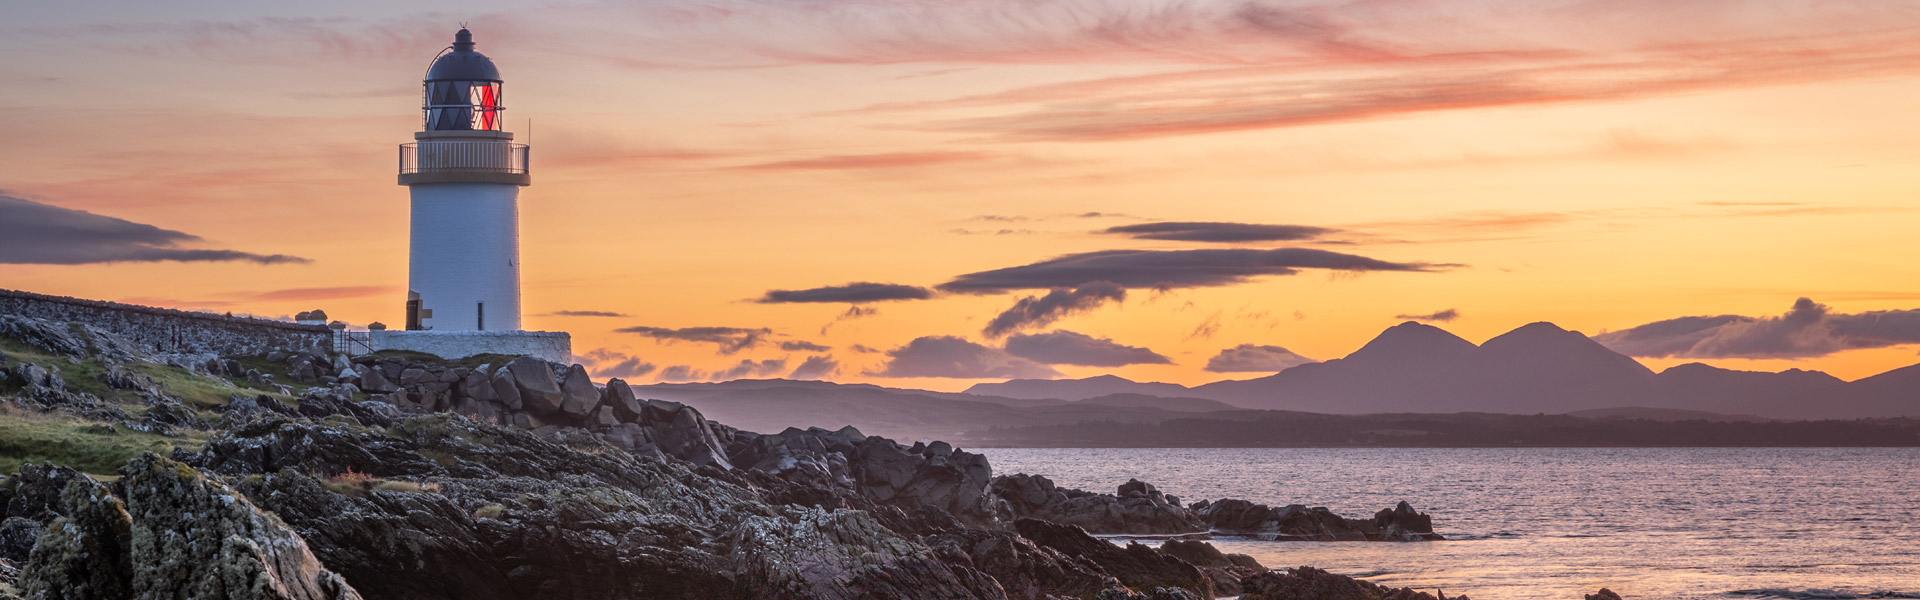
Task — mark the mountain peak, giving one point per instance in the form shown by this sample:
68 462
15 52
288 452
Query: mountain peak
1412 342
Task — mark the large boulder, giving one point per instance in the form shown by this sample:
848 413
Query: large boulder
1403 523
1226 570
620 397
375 383
478 385
505 389
539 393
581 396
681 432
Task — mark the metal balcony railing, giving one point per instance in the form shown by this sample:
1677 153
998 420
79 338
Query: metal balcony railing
485 156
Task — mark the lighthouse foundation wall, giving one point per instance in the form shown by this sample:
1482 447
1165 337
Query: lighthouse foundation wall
552 346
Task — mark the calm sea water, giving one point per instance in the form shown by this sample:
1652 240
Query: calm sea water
1556 523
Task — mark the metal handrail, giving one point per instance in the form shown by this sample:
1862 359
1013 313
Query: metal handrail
464 155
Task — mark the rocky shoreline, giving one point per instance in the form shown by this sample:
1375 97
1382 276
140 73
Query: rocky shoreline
407 478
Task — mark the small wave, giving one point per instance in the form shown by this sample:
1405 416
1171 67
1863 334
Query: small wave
1819 594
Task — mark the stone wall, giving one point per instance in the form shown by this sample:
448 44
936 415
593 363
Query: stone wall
171 331
550 346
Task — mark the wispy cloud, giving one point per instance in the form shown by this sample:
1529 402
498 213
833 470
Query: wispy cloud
1441 316
848 162
1218 232
1038 311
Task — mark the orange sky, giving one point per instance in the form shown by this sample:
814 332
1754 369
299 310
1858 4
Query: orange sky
1601 165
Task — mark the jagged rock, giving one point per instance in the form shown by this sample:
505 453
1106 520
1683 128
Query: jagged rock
1136 565
478 385
811 553
375 383
1308 583
581 397
505 389
1138 509
620 397
686 435
1300 523
16 538
539 393
175 534
52 337
602 419
1025 571
1403 523
85 554
1225 570
30 375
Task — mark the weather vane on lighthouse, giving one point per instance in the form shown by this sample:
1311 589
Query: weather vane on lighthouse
464 175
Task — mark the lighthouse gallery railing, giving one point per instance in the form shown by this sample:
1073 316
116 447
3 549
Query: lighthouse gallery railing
462 155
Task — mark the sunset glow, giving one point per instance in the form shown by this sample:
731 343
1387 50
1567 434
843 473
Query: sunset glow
1479 165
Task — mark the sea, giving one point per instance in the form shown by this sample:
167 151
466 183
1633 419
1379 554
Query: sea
1559 523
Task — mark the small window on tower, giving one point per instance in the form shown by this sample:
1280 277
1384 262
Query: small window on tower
480 316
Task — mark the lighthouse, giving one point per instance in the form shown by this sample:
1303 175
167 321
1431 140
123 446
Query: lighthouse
463 174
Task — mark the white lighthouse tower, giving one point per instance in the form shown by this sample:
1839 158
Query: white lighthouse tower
464 174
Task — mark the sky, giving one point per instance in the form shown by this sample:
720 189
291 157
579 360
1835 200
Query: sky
930 194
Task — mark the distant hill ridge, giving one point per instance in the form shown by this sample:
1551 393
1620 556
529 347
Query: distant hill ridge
1537 368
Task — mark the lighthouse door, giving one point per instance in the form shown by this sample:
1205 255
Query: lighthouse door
413 311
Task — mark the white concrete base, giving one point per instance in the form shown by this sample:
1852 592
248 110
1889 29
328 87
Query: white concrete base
551 346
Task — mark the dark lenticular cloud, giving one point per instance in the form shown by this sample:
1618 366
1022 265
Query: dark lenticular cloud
1807 330
802 346
35 233
585 313
1169 269
1251 358
729 339
1219 232
1064 347
952 357
1039 311
852 293
1438 316
815 368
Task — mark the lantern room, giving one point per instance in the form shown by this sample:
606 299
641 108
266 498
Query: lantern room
463 89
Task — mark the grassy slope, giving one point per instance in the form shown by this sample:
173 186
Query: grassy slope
31 436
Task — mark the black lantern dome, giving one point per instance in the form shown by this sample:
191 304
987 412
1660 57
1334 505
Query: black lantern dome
463 89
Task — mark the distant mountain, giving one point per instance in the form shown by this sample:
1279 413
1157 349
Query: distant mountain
1895 392
1542 368
1782 395
771 405
1075 389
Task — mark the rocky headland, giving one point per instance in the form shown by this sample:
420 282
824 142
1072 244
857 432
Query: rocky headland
303 475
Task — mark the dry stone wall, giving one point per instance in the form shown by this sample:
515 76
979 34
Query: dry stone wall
171 331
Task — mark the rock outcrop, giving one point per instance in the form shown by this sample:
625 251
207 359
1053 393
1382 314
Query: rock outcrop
1308 583
170 532
1138 508
1297 522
